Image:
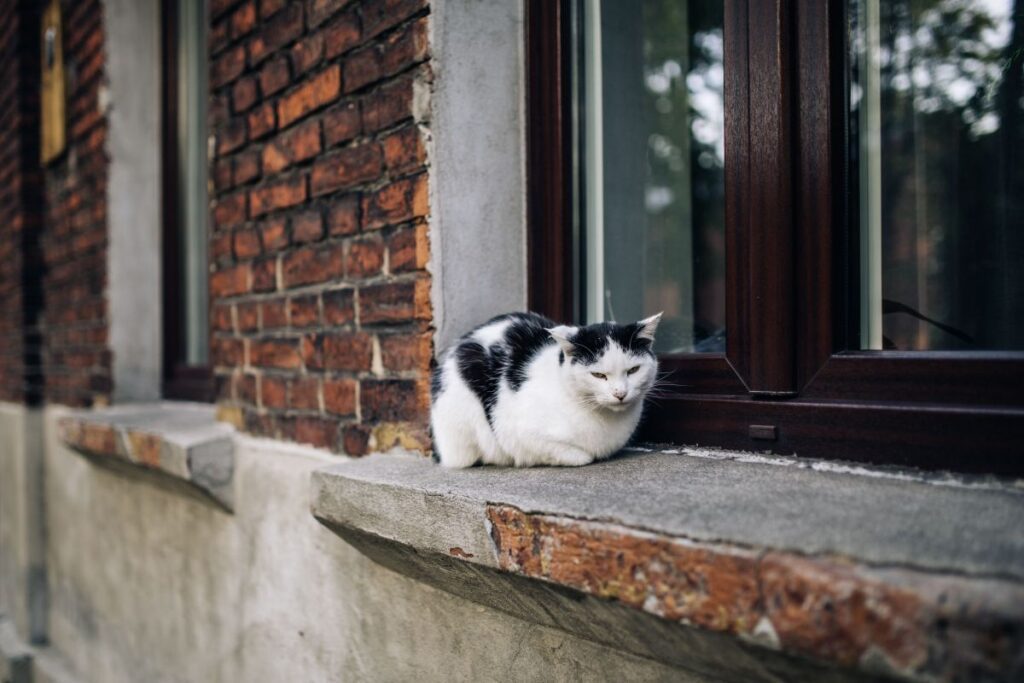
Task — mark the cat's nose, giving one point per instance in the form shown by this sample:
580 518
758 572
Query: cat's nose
619 394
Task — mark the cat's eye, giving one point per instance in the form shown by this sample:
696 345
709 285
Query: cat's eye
632 369
599 375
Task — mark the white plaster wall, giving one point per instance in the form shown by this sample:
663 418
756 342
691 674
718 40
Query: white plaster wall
133 196
148 584
478 162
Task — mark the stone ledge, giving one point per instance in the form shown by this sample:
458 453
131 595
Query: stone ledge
865 574
181 440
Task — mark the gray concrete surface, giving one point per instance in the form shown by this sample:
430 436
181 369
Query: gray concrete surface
874 518
133 196
478 179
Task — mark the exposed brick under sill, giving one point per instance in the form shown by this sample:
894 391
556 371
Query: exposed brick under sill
180 442
731 567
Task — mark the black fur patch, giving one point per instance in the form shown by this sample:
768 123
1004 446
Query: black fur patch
525 338
481 371
436 382
592 340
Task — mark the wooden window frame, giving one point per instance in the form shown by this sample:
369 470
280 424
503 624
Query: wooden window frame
180 381
787 381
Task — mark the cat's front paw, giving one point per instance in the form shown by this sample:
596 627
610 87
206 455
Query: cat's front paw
573 459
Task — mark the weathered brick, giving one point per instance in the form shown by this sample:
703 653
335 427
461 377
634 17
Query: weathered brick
273 392
246 244
348 351
390 400
404 149
342 123
356 440
246 167
220 247
319 432
307 53
343 216
304 311
398 202
227 67
313 265
273 314
319 10
339 306
408 248
362 68
264 275
278 195
365 258
230 281
275 353
244 94
285 27
340 396
273 234
343 34
243 20
227 352
304 393
345 168
217 7
248 316
293 146
221 319
307 226
405 47
230 210
231 136
222 177
318 91
219 36
274 75
388 105
262 120
402 352
270 7
245 388
380 15
394 302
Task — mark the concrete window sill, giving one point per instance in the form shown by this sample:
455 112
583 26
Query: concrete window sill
730 566
181 441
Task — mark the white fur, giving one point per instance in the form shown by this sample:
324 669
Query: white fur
561 415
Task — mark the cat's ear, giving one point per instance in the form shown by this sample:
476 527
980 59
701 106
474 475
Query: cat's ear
561 335
648 326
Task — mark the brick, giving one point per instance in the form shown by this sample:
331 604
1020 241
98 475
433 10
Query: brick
307 226
346 168
319 10
222 179
275 75
317 92
339 307
313 265
340 396
227 67
388 105
247 244
408 249
231 136
230 210
343 216
244 94
262 120
219 36
404 149
304 311
394 302
230 281
307 53
390 400
362 68
227 352
398 202
243 20
380 15
217 7
285 27
405 47
365 258
342 123
275 353
221 318
264 275
246 167
356 440
248 316
273 234
304 393
318 432
270 7
293 146
402 352
343 34
352 351
273 392
273 314
259 424
220 247
279 194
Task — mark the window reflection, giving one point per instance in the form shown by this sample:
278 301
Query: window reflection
937 122
653 153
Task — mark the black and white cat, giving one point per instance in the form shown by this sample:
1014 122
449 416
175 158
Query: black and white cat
520 390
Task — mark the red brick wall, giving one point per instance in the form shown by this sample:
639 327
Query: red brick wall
320 298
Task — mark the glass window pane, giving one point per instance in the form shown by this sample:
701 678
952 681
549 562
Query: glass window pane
650 92
937 128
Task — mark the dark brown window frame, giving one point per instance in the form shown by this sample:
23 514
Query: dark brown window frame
787 382
180 381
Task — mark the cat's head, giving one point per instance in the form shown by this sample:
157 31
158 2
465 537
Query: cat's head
608 365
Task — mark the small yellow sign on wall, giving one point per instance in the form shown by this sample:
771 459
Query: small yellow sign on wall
54 135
